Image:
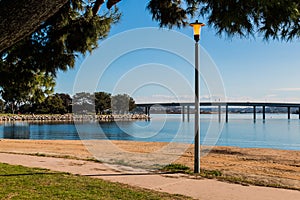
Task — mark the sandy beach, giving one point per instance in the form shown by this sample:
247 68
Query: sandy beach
263 166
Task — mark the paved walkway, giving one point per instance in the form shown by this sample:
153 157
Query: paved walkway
203 189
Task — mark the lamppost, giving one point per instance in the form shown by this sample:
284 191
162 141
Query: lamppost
197 29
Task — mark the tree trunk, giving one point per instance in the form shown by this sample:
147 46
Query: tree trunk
13 108
19 18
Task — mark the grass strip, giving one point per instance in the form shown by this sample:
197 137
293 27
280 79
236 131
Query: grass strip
18 182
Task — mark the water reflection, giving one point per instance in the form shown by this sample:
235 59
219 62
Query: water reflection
17 130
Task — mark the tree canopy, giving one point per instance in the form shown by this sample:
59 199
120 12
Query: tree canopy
52 105
122 103
102 102
28 68
273 19
81 103
20 18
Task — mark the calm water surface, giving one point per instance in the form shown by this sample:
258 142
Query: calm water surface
275 132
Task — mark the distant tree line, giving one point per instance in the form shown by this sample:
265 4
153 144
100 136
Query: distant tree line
83 103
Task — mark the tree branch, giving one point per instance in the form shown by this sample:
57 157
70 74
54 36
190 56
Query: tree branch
97 6
19 18
111 3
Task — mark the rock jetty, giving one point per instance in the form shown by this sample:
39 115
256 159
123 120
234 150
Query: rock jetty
73 117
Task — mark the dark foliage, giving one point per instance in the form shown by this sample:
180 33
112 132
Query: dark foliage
273 19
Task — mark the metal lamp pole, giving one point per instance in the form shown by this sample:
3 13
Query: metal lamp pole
197 29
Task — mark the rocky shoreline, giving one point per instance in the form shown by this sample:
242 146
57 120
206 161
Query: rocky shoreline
73 117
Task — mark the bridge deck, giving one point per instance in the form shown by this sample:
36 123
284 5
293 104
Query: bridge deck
224 104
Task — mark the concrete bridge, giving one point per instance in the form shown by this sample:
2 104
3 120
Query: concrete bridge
186 106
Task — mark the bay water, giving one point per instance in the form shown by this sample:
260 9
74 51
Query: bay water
275 132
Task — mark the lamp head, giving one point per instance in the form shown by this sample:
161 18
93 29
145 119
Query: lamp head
197 29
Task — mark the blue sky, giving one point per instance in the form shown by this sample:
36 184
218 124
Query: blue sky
251 69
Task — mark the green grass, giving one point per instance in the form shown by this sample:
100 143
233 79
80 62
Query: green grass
177 168
17 182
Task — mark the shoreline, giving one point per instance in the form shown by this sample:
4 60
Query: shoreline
79 139
258 165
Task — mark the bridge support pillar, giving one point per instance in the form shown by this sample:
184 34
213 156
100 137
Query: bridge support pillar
147 110
182 112
188 113
289 112
226 115
264 112
254 113
299 112
219 112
